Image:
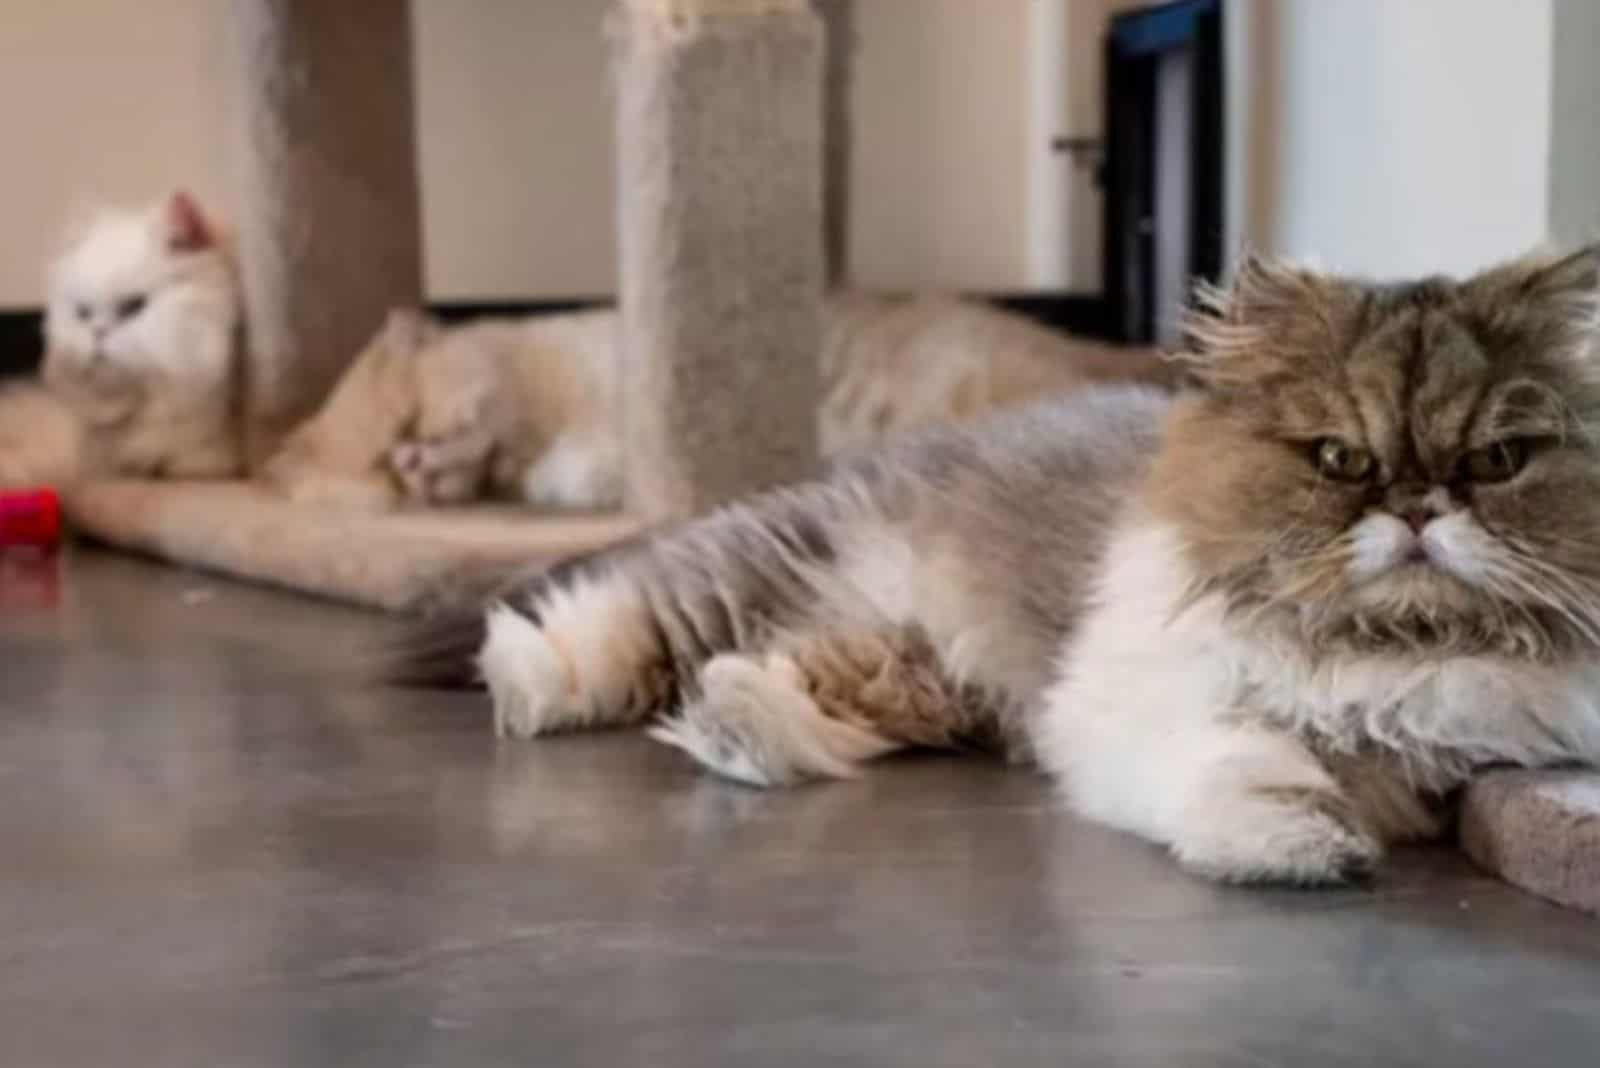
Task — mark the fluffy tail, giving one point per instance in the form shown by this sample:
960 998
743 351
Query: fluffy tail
441 651
436 653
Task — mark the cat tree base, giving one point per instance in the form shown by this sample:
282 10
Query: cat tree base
396 561
1539 830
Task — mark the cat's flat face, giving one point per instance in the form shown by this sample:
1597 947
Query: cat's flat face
141 293
1399 467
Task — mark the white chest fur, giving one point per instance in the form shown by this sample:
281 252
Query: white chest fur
1145 671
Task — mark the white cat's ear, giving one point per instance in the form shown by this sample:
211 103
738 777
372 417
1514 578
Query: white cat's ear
187 228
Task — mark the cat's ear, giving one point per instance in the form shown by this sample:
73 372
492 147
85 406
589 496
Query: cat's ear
186 226
1269 312
1575 276
1556 297
1539 278
1568 289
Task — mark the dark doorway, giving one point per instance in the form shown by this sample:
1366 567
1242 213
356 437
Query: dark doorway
1162 177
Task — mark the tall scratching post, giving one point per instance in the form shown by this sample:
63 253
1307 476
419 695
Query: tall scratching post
325 164
719 120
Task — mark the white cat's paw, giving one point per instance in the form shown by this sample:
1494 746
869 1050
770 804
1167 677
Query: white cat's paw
528 679
1295 835
754 722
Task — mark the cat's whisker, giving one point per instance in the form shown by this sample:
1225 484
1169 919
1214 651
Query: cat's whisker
1531 579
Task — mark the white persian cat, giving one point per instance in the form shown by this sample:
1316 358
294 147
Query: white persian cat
142 336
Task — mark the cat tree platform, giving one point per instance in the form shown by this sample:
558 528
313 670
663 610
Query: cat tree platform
408 561
1539 830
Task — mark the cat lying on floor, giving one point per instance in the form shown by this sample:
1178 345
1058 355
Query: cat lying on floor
141 355
1269 623
528 409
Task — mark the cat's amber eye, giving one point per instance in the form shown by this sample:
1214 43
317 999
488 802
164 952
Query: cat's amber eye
1496 462
1342 461
128 307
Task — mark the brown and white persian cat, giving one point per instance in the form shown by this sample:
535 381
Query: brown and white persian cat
1268 623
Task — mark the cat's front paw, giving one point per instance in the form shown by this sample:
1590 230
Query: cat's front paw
1300 836
447 469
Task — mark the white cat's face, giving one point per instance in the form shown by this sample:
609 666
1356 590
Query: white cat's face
143 294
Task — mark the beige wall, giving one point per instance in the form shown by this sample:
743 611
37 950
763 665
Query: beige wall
100 105
515 143
940 184
1371 135
515 131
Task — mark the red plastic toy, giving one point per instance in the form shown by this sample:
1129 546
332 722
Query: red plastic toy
30 517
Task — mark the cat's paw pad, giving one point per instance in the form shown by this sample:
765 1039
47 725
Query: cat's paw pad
406 457
754 722
448 469
1293 835
528 679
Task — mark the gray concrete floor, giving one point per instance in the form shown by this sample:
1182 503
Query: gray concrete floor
218 851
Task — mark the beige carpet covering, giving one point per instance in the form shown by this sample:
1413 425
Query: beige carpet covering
1539 830
398 561
323 149
719 214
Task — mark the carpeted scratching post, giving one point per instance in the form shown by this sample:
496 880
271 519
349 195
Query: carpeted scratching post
1539 830
719 144
326 171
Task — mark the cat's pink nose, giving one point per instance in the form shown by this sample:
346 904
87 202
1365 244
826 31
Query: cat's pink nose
1418 516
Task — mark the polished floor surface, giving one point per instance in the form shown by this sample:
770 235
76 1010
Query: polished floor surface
216 849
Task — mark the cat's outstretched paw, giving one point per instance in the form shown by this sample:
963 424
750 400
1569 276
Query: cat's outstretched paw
445 469
527 677
755 722
1295 835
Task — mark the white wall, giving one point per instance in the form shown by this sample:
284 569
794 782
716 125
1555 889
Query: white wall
515 136
1401 136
